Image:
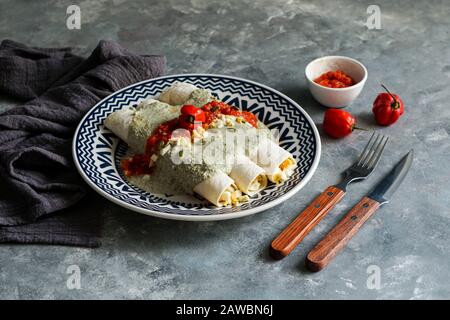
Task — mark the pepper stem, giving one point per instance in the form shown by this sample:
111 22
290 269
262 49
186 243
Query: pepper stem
359 128
396 104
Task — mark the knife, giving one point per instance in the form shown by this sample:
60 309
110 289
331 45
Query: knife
322 254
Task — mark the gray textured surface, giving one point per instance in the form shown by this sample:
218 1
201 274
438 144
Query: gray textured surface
270 42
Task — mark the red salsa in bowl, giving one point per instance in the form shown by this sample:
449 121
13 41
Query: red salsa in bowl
335 79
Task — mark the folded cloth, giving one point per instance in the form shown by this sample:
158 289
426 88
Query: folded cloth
38 180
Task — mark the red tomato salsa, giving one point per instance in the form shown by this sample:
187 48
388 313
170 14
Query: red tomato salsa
136 165
335 79
140 163
161 135
214 108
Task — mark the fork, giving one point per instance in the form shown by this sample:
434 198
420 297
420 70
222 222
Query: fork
290 237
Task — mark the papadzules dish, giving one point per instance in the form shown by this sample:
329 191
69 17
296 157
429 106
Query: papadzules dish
187 142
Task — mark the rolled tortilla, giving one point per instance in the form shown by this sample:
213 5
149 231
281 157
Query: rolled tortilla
248 176
199 97
177 164
277 162
135 125
119 122
220 190
177 94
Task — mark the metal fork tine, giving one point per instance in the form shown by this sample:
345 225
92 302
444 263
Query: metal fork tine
372 150
366 148
373 162
367 160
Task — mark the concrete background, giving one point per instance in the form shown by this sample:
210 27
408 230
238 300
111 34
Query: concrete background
271 42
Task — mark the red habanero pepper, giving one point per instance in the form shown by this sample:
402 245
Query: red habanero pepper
338 123
387 108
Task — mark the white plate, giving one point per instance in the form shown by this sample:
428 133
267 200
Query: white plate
97 151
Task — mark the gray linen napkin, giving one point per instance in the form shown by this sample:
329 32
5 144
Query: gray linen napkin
39 184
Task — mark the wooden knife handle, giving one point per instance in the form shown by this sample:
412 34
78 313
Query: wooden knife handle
322 254
290 237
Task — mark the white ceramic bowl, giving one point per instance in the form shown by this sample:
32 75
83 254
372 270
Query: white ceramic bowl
336 97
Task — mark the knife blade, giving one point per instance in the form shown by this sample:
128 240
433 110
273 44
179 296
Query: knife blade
336 240
390 183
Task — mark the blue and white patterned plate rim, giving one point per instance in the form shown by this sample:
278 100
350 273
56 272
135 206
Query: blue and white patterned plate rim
208 217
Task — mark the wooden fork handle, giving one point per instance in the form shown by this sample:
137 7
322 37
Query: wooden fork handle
322 254
290 237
